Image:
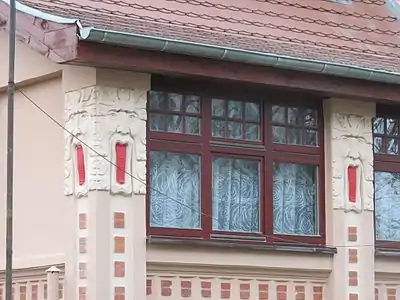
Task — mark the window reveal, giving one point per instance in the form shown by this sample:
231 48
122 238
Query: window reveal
234 167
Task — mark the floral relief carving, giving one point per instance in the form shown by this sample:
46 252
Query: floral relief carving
352 146
101 117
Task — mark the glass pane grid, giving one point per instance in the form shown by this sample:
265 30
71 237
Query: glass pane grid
294 126
386 136
236 120
174 113
237 185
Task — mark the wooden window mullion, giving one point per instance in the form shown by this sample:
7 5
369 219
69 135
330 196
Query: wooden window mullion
262 150
206 183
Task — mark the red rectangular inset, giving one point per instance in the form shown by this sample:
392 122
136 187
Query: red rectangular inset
80 158
120 150
352 182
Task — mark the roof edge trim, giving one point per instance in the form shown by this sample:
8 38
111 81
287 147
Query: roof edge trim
43 15
235 55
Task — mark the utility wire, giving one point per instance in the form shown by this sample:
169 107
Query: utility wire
292 242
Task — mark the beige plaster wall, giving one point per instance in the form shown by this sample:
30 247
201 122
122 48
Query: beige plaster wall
29 66
39 206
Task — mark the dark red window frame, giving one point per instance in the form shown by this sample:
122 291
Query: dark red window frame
265 150
386 162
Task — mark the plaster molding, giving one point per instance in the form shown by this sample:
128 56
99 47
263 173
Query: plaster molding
205 270
100 116
387 278
351 145
32 273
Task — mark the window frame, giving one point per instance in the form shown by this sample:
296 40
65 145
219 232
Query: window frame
385 163
264 150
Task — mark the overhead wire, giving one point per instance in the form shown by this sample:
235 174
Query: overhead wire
272 237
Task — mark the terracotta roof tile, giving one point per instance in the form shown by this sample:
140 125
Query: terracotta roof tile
364 33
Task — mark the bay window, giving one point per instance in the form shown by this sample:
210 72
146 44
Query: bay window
240 166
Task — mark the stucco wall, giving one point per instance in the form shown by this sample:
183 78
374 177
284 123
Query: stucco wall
29 66
39 207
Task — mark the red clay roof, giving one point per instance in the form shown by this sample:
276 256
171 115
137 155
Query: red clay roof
364 33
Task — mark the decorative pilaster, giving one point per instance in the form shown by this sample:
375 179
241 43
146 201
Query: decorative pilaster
349 161
108 187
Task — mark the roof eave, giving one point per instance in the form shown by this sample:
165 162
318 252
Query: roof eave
235 55
54 37
43 15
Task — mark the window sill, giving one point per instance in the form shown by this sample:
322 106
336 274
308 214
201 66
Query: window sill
161 240
387 252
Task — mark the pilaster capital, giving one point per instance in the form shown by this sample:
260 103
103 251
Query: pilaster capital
350 153
106 128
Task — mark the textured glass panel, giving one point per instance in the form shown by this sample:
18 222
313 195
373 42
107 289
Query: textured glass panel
156 99
392 146
174 190
387 206
278 114
192 104
379 145
174 123
392 127
278 134
294 117
252 132
310 118
235 130
235 109
218 128
252 112
310 138
295 199
157 122
293 136
236 195
174 102
379 125
218 107
192 125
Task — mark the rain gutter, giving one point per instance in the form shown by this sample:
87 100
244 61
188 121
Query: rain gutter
235 55
43 15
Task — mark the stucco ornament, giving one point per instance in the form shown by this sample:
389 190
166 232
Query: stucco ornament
352 146
101 117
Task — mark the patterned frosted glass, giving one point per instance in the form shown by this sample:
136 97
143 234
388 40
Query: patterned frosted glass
295 199
175 190
387 206
236 196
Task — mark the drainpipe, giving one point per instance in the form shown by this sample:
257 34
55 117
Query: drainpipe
235 55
